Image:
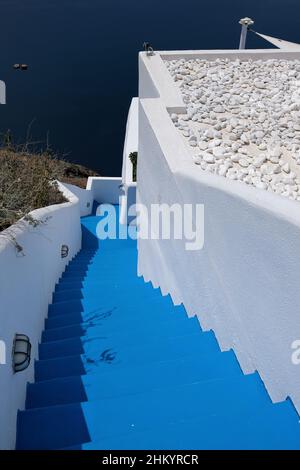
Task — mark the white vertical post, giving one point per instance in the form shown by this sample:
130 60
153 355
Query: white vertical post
246 23
2 92
2 353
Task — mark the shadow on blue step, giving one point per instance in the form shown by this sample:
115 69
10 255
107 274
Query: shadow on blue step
71 428
168 326
131 380
112 357
66 367
60 391
64 320
80 289
133 317
95 338
116 299
88 238
268 432
69 331
237 400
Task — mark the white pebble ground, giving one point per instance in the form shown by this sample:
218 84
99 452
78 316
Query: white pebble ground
243 119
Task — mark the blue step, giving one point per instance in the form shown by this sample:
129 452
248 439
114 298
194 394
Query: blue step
48 437
169 326
81 285
71 331
101 266
108 358
114 315
272 431
69 319
62 367
131 380
80 273
120 367
97 338
93 290
101 258
102 301
105 418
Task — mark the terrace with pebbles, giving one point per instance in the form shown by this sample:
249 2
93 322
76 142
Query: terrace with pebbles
243 119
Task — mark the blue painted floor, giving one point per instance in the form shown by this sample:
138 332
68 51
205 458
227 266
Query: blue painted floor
121 368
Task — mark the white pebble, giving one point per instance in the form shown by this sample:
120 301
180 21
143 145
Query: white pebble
275 152
262 146
218 152
219 109
258 161
277 169
286 167
243 162
223 170
215 143
203 145
261 185
208 158
247 107
259 84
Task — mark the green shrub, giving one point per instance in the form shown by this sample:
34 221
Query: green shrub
133 158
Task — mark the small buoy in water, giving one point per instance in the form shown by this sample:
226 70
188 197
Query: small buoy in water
20 66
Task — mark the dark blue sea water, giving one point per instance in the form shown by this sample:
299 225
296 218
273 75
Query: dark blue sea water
82 56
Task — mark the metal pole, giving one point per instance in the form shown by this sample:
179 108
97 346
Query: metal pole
246 23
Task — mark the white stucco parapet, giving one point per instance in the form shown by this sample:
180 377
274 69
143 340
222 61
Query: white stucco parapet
27 281
244 283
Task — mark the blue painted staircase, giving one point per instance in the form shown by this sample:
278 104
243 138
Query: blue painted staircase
121 368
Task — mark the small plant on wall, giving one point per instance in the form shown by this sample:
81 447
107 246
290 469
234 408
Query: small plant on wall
133 158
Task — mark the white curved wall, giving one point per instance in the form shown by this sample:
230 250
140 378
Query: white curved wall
85 197
105 189
244 283
26 286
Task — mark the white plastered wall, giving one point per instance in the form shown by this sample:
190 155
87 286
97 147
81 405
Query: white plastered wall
27 281
244 283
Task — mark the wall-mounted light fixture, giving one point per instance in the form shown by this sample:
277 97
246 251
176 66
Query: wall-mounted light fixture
21 354
64 251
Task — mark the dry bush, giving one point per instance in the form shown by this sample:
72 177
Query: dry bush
26 183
